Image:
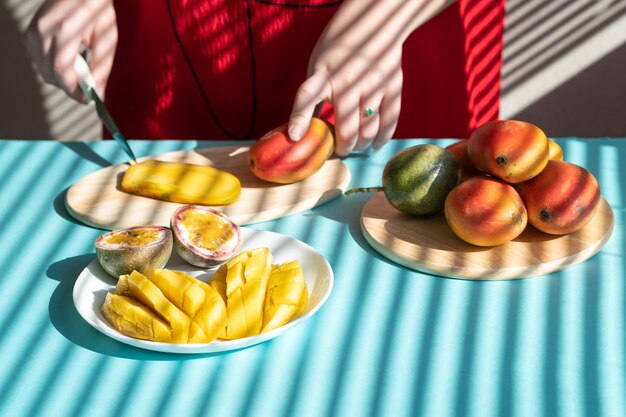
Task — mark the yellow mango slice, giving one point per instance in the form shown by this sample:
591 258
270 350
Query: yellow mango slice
286 297
182 290
137 286
134 319
242 283
257 273
211 319
218 283
218 280
237 325
181 182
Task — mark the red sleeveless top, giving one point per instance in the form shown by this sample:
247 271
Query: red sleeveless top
229 69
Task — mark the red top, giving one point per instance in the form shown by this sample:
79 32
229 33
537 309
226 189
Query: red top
229 69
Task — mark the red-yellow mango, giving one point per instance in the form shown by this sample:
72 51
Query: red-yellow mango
511 150
554 150
561 199
276 158
485 211
459 150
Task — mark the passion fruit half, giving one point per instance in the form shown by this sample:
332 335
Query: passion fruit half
137 248
204 237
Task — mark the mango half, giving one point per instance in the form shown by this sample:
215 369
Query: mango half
204 237
165 306
181 182
137 248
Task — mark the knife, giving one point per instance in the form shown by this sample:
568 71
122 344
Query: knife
88 86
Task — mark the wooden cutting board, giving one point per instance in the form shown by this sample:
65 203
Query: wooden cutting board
428 244
97 199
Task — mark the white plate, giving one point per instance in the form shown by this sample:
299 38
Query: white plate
93 284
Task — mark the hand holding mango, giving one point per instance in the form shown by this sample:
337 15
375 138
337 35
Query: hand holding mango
276 158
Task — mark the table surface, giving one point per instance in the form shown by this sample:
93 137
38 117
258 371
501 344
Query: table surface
389 342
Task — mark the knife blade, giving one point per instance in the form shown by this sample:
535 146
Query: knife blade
88 86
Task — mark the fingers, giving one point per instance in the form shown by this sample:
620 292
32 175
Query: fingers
369 112
314 90
389 112
103 47
58 31
370 120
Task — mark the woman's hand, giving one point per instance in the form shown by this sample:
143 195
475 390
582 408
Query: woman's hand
357 67
56 33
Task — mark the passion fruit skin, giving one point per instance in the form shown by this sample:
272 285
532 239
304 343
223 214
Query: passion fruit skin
122 259
196 256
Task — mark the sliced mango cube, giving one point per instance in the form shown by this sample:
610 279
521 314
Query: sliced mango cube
137 286
211 319
134 319
182 290
242 282
287 295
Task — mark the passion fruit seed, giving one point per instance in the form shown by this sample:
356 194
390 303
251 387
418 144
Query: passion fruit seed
204 237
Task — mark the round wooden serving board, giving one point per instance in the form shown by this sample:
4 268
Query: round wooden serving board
97 199
427 244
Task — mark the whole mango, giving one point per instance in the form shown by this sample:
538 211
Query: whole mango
561 199
459 150
277 158
485 211
511 150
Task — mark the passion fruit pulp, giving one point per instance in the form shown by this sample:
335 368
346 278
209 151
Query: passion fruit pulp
204 237
137 248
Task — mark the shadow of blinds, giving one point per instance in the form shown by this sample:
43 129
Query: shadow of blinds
547 43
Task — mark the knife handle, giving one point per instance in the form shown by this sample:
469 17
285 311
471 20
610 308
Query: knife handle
85 79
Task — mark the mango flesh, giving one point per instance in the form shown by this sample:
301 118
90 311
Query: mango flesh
256 303
146 306
243 282
181 182
276 158
286 296
211 319
134 319
137 286
196 299
182 290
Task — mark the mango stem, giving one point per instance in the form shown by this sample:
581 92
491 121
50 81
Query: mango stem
363 190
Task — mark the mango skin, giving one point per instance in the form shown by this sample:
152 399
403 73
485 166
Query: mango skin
511 150
276 158
555 150
459 150
562 199
485 211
